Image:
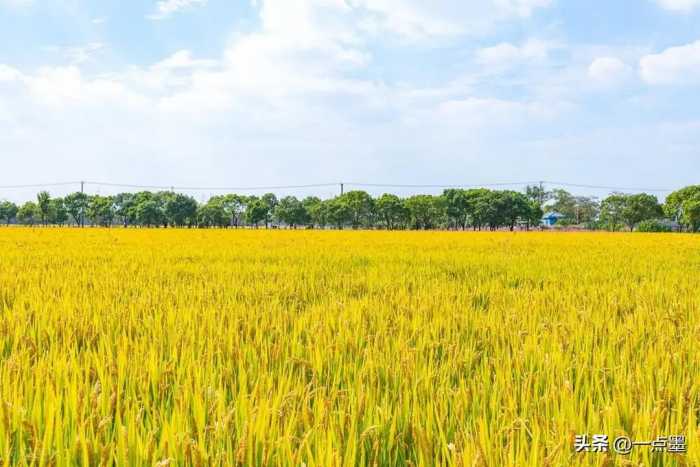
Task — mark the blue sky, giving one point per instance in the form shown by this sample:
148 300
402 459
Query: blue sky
277 92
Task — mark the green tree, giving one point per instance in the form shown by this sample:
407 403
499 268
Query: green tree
180 210
270 201
57 212
586 209
391 210
508 208
477 200
611 210
212 213
317 211
680 204
124 206
426 211
493 210
44 205
29 213
235 206
629 210
148 212
148 208
640 207
337 212
8 211
537 194
290 211
101 210
257 211
457 207
359 206
564 203
691 213
76 204
534 214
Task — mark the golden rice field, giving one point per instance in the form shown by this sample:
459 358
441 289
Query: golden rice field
176 347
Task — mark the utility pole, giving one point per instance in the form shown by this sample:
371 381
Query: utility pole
541 193
342 189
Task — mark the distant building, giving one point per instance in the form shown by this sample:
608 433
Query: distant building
552 218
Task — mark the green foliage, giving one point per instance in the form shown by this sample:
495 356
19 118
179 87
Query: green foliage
653 225
453 209
58 215
691 213
101 210
629 210
359 207
8 211
457 207
337 212
148 209
611 211
258 210
317 211
391 211
641 207
684 206
537 194
213 213
76 204
291 211
29 213
180 210
271 202
234 206
43 205
426 211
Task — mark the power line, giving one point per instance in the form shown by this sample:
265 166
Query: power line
37 185
603 187
200 188
479 185
327 185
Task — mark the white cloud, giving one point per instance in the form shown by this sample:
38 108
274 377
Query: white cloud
506 54
165 8
679 6
608 71
100 20
8 73
675 65
182 60
418 19
408 19
291 97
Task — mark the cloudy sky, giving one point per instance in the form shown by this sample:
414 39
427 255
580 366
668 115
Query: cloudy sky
278 92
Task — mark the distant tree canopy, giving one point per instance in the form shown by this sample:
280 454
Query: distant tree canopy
455 209
629 210
8 211
684 206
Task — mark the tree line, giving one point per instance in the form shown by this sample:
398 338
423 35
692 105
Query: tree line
461 209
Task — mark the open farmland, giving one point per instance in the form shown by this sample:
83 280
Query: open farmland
202 347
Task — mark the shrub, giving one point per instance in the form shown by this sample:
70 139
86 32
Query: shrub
653 225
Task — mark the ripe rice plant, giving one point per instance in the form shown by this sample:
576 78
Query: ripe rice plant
213 347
